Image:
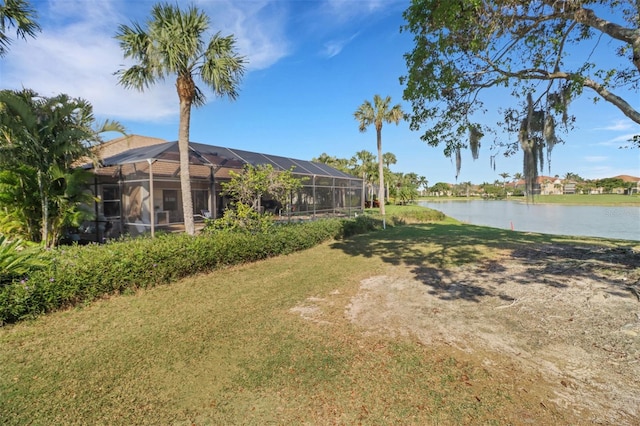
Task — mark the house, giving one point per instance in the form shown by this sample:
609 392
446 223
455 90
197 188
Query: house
569 187
631 189
548 185
138 186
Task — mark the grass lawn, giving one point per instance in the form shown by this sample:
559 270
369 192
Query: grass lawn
591 199
226 348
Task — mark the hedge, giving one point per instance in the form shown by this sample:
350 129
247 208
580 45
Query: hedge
80 274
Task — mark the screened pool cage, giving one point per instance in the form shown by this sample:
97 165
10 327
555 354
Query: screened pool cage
138 190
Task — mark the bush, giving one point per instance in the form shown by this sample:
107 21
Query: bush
242 218
80 274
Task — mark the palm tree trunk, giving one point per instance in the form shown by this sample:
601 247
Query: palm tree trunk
44 200
185 176
380 173
364 192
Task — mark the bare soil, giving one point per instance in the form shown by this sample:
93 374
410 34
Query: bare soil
569 315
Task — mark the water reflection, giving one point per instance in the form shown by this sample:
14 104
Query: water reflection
595 221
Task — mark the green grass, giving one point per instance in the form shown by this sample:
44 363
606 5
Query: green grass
224 348
592 199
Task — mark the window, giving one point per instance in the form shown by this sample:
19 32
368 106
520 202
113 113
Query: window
111 201
170 200
200 200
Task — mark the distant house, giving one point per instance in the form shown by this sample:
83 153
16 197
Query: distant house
634 189
569 187
547 185
138 185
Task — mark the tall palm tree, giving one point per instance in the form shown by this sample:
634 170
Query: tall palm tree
504 176
377 114
41 140
424 183
18 14
174 44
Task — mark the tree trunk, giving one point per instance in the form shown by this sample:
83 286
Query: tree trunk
44 200
364 191
380 172
185 177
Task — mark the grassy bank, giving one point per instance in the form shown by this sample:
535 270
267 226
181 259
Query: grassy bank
226 348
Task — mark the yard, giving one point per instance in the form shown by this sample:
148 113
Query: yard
420 324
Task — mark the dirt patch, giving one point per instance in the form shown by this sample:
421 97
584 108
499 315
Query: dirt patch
568 314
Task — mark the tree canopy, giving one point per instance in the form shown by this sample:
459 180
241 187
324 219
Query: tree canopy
41 141
539 50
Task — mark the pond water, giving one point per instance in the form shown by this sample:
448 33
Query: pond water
621 222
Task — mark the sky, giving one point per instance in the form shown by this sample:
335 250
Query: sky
310 65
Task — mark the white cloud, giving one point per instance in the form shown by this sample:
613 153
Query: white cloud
347 9
76 54
258 26
618 126
334 47
618 141
602 172
595 158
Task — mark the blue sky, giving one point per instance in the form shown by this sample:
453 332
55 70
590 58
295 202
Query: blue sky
311 64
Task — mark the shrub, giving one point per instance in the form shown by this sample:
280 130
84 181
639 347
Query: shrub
80 274
242 218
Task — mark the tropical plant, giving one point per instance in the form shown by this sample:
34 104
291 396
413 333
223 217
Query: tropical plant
407 187
18 14
388 158
20 208
363 166
541 50
377 114
173 43
423 183
42 139
17 259
341 164
504 177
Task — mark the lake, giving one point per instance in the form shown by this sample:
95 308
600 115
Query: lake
621 222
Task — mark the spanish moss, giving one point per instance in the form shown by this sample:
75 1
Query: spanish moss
474 141
550 138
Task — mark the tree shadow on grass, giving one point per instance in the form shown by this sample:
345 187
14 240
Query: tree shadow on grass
441 255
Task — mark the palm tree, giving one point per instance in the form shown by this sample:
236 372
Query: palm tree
424 183
41 140
362 167
18 14
173 44
504 176
377 114
389 158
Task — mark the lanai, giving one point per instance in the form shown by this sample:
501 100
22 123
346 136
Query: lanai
139 188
